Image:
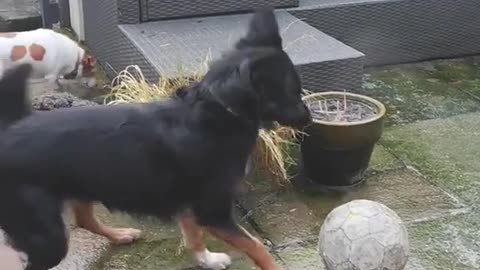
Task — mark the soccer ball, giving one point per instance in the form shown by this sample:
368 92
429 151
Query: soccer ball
363 235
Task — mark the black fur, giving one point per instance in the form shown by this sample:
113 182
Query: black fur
157 158
13 104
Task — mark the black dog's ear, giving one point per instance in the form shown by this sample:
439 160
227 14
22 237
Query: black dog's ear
13 94
262 31
232 88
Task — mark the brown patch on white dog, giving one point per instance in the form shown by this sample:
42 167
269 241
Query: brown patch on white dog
8 34
37 52
18 52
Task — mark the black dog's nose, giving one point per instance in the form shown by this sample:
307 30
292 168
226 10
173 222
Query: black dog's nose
307 116
302 116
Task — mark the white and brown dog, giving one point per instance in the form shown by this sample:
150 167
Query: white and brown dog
51 54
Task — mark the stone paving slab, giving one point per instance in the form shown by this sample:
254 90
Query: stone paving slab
448 243
160 247
381 160
308 258
446 151
428 90
154 255
288 217
86 249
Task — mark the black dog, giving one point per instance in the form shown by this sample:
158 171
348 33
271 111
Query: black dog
177 158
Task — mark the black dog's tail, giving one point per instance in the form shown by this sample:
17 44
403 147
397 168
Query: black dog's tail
13 95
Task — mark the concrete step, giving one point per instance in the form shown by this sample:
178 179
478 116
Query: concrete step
323 62
398 31
168 9
19 15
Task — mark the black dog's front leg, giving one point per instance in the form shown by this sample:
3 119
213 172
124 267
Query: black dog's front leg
240 239
249 167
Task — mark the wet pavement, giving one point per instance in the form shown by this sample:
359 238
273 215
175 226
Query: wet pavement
426 167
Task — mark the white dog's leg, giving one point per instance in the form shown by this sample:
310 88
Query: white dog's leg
54 82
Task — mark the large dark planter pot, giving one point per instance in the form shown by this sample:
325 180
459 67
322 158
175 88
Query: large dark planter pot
335 155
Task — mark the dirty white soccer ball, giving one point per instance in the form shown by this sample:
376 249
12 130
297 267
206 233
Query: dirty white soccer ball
364 235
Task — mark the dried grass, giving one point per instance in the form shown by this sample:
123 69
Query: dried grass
272 154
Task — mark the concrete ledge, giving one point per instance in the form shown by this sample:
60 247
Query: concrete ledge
19 15
324 62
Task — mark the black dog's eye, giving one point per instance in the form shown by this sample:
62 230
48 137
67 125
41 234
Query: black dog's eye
180 92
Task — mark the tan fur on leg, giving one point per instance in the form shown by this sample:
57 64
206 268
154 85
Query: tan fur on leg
193 237
249 245
85 217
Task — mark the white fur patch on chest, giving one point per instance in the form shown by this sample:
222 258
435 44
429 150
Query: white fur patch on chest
10 258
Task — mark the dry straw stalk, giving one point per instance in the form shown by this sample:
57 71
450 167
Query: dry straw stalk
272 153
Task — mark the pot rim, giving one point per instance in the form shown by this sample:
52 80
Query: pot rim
381 108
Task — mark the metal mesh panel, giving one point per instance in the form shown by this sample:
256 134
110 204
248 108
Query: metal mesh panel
397 31
336 75
162 9
113 50
129 11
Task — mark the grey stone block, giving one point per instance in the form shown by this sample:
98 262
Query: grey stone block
323 62
19 15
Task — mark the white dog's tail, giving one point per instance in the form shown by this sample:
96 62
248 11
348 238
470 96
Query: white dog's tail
13 94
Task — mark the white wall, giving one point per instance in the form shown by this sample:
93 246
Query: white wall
76 18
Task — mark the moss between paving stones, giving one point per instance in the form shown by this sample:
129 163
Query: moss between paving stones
277 210
423 91
152 228
160 247
305 257
382 160
447 151
161 254
448 243
294 219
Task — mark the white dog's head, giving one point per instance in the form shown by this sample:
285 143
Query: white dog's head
84 69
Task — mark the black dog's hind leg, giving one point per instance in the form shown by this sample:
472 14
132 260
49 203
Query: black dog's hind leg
33 221
215 214
85 217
